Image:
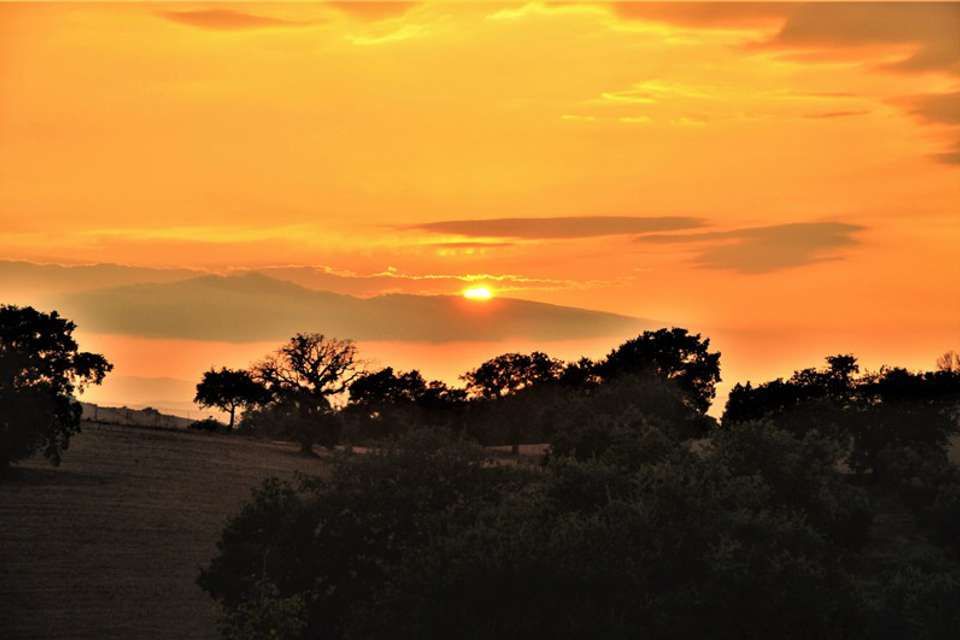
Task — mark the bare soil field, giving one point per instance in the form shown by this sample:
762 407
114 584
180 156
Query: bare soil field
109 544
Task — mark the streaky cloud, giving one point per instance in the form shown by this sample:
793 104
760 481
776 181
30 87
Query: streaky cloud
934 108
559 228
723 15
373 11
765 249
941 109
826 31
830 115
225 20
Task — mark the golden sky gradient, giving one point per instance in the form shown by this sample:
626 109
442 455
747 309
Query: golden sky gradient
757 169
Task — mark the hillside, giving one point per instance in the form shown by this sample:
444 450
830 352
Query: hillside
108 545
126 416
255 307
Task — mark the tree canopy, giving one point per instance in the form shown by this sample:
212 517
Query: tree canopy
41 368
511 372
674 354
229 390
303 376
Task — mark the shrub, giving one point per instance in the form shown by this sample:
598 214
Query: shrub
942 517
207 424
265 615
336 539
917 598
588 425
802 474
676 549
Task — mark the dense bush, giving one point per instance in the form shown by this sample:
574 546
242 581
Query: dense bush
339 538
645 519
427 538
942 516
585 425
684 545
896 423
916 597
265 615
208 425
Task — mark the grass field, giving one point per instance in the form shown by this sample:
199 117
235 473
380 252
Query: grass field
108 545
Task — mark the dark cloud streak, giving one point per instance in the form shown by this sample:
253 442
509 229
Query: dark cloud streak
373 11
225 20
765 249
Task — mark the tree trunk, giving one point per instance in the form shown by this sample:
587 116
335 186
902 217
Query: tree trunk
233 411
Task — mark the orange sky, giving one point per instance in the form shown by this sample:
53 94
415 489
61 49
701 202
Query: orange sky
803 161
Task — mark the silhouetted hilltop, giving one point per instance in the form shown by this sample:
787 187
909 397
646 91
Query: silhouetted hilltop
255 307
24 279
146 417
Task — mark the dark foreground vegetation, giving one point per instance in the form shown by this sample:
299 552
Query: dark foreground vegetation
820 506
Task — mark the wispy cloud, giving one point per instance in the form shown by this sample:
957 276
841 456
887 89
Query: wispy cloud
373 10
935 108
717 15
226 20
922 34
765 249
927 32
393 280
559 228
406 32
951 156
941 109
829 115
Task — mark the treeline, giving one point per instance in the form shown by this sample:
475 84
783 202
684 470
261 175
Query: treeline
823 505
510 399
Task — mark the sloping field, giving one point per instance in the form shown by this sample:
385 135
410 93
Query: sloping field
109 544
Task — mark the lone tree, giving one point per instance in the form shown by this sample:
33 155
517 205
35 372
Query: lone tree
40 370
511 372
302 376
674 354
229 390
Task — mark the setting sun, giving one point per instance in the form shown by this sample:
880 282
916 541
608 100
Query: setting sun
477 293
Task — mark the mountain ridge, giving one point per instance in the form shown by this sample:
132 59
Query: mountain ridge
252 306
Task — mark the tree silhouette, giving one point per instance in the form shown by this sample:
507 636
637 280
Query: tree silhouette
674 354
303 375
386 402
40 370
513 381
886 418
511 372
229 390
375 392
836 383
949 361
581 374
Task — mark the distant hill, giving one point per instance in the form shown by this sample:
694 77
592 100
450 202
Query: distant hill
23 281
252 306
146 417
169 395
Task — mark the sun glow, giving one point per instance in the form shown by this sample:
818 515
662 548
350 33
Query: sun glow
477 293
